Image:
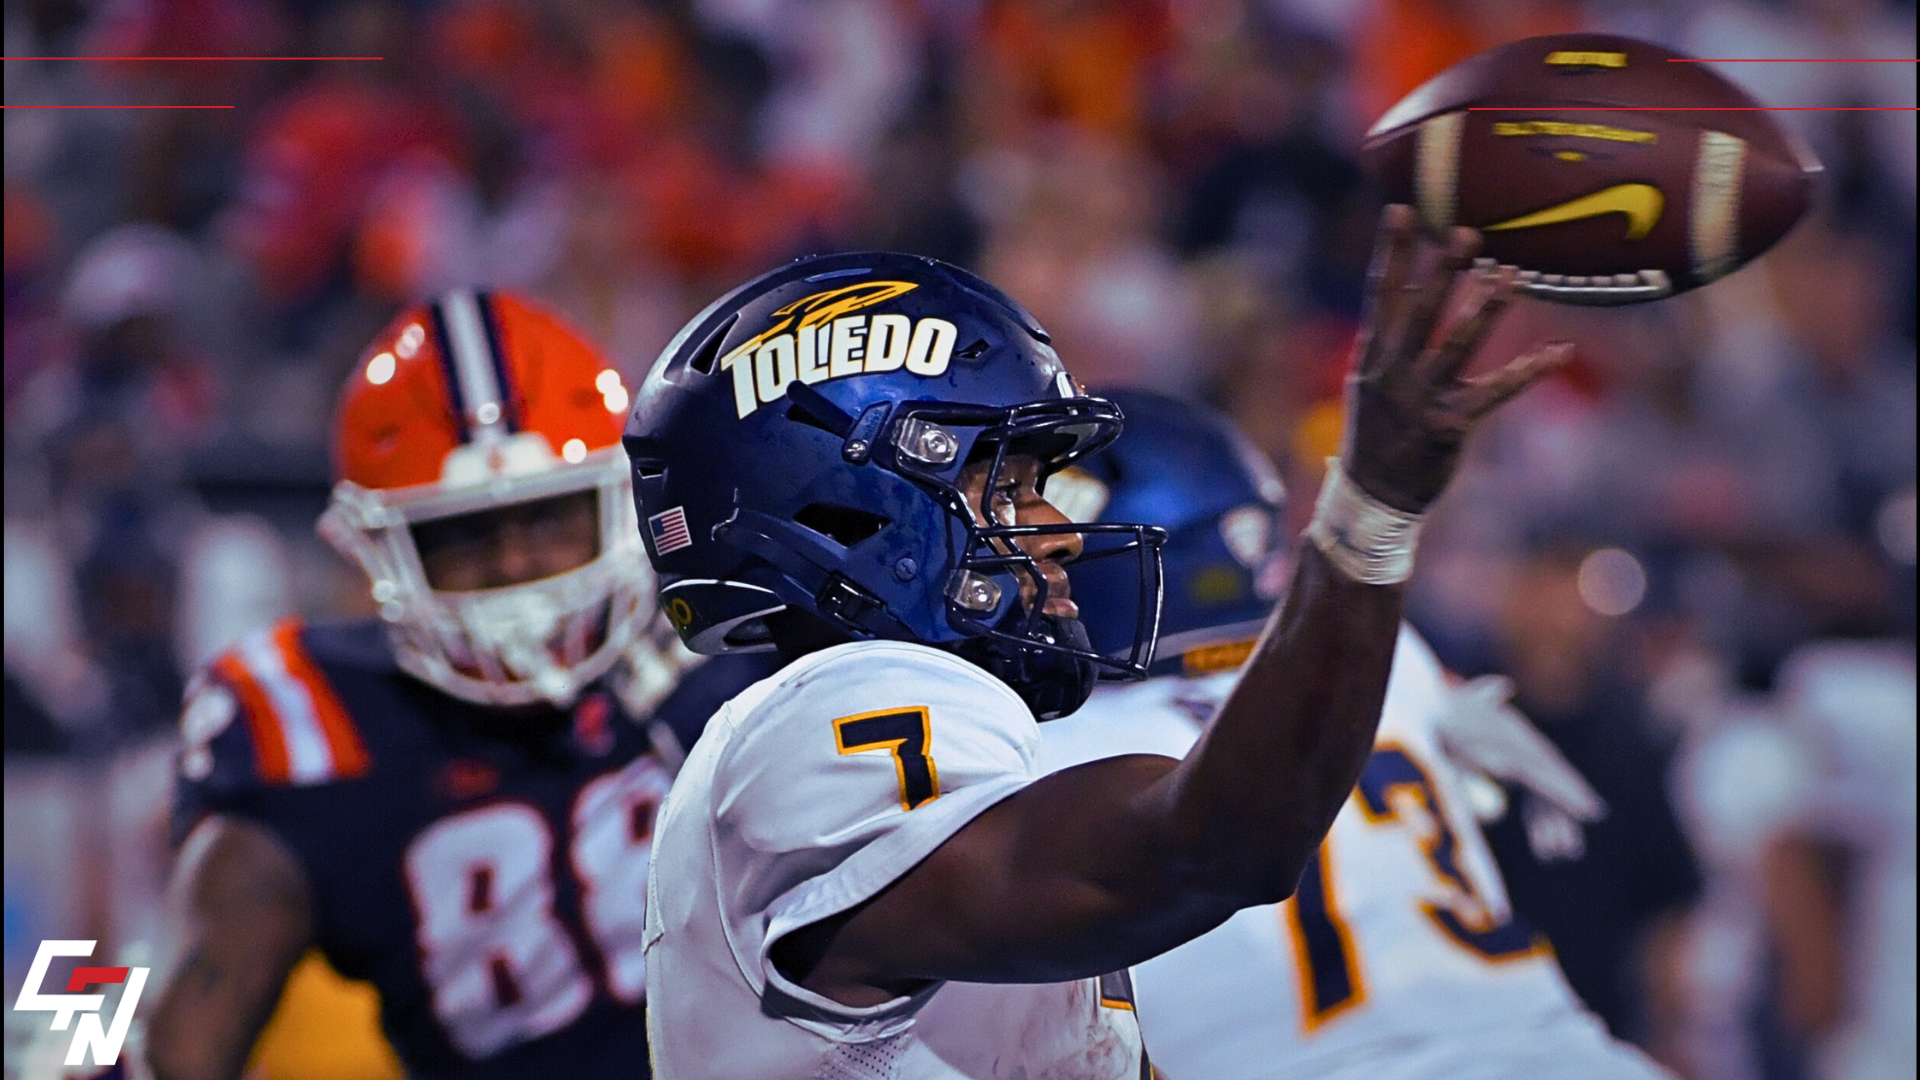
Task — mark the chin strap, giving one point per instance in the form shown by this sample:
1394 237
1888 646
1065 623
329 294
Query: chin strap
515 631
1052 681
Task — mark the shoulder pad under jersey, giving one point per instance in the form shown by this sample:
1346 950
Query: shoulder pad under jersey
264 714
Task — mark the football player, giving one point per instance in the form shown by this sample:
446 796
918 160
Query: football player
1398 954
1803 808
861 871
453 802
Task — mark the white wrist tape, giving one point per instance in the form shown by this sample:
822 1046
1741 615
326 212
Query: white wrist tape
1368 540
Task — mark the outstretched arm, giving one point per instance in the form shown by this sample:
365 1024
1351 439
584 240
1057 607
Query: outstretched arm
1097 867
243 918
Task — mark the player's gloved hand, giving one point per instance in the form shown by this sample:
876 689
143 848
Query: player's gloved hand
1408 408
1552 836
1482 733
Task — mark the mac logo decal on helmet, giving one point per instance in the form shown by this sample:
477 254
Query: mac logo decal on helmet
798 445
1187 468
463 406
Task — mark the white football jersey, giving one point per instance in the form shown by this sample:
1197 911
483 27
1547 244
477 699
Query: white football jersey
807 794
1398 955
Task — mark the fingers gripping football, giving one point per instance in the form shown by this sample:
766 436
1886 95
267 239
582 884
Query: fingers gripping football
1409 409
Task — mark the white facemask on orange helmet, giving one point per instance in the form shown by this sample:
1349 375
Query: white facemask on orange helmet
468 404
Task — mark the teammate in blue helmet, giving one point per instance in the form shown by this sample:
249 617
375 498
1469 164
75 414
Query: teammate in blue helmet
1186 469
1399 953
861 870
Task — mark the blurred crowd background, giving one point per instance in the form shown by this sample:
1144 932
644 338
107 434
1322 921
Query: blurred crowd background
1719 483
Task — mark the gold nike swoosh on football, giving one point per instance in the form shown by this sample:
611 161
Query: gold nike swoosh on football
1641 203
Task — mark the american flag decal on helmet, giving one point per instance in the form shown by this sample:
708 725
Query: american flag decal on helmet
669 531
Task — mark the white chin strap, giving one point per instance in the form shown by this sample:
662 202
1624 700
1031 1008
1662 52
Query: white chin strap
532 642
520 631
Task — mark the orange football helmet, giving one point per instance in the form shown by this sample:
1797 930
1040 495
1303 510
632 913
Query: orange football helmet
466 404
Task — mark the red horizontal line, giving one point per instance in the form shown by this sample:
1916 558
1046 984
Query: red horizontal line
1693 108
1792 60
117 106
192 58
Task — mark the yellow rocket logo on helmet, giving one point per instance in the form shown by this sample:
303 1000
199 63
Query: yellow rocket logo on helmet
818 338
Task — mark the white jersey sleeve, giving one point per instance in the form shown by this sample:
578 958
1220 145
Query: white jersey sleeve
806 795
854 768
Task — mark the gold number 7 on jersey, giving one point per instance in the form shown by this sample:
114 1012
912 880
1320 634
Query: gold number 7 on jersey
907 734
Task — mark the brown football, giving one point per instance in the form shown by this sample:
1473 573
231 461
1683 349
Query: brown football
1603 172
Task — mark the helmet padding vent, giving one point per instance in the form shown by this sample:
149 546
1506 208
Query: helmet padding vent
709 353
844 525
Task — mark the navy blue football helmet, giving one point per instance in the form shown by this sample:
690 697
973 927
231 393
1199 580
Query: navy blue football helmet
797 447
1187 469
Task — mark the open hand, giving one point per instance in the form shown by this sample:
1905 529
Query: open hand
1408 409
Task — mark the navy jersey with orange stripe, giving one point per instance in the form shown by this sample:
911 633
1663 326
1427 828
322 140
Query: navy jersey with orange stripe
484 868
